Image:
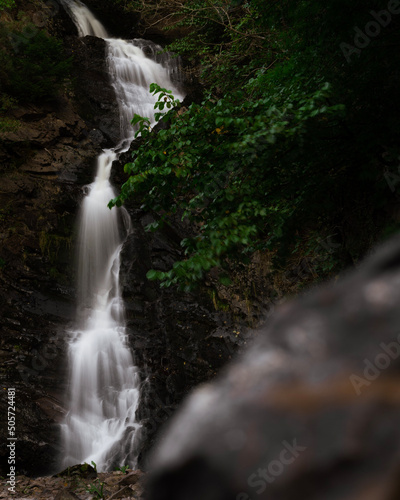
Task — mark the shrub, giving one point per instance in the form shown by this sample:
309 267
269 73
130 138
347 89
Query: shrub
36 68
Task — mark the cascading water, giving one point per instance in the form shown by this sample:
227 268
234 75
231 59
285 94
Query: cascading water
84 20
104 383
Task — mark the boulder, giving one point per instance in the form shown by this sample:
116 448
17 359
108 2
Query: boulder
311 410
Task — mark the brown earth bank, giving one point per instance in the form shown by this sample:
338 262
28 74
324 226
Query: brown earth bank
80 482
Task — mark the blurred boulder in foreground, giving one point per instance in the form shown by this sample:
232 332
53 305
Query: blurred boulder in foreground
311 411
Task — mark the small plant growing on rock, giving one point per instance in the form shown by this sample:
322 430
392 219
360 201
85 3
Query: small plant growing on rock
123 468
97 488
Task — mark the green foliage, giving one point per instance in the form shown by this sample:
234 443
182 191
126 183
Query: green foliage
123 468
34 66
229 167
165 100
7 124
285 156
6 4
227 37
97 488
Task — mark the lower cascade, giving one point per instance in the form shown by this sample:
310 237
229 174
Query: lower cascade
104 383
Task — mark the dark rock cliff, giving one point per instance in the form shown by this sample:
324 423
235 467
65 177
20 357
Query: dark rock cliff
44 164
178 339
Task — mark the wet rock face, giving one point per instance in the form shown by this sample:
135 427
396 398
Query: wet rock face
43 165
177 339
93 91
310 411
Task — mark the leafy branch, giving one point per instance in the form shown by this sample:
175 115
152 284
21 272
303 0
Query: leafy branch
227 167
165 100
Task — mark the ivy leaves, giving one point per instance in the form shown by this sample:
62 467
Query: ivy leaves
225 167
6 4
165 100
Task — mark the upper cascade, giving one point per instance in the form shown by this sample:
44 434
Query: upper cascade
84 20
132 65
132 73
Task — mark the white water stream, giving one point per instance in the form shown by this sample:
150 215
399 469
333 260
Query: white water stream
104 384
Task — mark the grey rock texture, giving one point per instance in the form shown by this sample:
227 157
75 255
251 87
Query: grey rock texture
311 410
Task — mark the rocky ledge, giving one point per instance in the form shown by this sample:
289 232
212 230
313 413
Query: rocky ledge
80 482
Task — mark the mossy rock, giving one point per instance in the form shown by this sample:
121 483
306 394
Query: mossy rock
85 471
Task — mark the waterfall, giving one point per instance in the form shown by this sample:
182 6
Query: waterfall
103 390
84 20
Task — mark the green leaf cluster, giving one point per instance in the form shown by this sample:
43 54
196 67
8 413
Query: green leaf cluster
274 155
7 124
165 101
235 168
33 64
6 4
